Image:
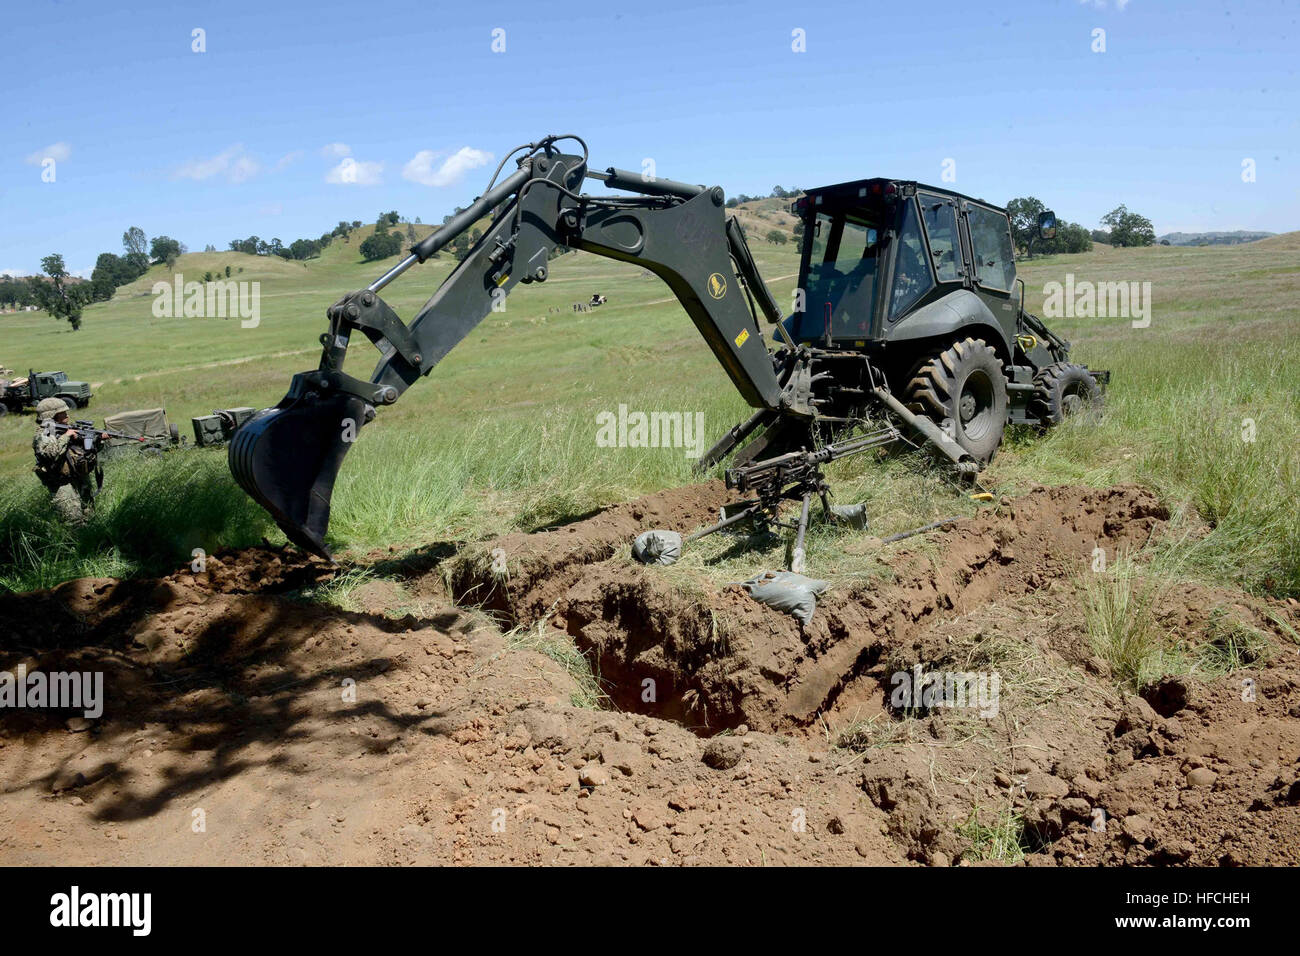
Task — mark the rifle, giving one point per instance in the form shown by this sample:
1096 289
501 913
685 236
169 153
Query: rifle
90 435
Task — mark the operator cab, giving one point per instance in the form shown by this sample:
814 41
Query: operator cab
876 250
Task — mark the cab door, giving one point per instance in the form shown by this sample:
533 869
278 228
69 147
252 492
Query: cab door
992 262
940 214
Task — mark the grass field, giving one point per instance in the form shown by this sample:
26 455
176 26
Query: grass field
502 434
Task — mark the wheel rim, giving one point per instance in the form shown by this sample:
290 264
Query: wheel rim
1074 399
975 405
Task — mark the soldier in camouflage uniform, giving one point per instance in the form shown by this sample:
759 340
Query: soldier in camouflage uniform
67 475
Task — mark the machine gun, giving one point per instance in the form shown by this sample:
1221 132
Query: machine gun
794 476
809 396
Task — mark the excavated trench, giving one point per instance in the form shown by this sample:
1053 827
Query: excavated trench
713 663
231 661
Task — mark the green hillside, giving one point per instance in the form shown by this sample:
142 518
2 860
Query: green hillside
502 433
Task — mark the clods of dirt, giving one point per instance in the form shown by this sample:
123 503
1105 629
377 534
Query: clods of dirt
242 722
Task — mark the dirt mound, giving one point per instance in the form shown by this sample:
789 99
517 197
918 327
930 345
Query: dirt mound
998 593
242 722
544 565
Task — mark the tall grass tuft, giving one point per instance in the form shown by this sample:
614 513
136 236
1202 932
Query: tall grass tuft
150 516
1119 611
1215 432
1001 841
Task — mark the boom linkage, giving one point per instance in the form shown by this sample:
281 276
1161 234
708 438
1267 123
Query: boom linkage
287 458
672 229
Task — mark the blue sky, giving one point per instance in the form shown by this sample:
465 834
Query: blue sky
248 137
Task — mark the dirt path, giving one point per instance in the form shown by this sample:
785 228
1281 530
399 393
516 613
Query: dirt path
221 364
244 723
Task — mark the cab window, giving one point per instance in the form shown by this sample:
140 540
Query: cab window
841 281
912 276
940 217
990 238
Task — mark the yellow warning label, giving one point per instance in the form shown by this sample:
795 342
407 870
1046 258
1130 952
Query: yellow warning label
742 338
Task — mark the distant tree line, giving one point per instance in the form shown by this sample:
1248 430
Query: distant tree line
61 295
65 296
1023 213
1125 229
380 245
16 292
299 248
777 193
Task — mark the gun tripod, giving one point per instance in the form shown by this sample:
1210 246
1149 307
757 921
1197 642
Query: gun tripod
795 476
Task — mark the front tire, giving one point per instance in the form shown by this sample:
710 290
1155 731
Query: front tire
1063 390
964 391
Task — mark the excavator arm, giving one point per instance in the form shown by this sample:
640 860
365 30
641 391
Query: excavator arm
288 457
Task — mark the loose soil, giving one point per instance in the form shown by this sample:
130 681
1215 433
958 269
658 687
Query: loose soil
245 722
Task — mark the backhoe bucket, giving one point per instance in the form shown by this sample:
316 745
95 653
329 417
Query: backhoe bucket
287 458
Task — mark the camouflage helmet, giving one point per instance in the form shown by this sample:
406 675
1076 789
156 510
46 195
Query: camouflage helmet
48 408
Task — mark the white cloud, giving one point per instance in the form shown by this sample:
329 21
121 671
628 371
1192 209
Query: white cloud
243 169
1101 4
270 209
352 172
288 159
14 273
451 170
233 163
59 152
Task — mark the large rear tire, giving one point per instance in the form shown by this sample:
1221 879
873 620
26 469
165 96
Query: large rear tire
1063 390
964 391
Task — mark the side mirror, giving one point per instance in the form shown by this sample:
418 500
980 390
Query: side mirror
1047 225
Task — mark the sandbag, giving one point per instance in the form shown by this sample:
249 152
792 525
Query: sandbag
657 547
786 591
855 516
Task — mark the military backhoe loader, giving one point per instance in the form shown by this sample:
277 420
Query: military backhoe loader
909 321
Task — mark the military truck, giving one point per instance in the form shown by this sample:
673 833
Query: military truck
26 392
